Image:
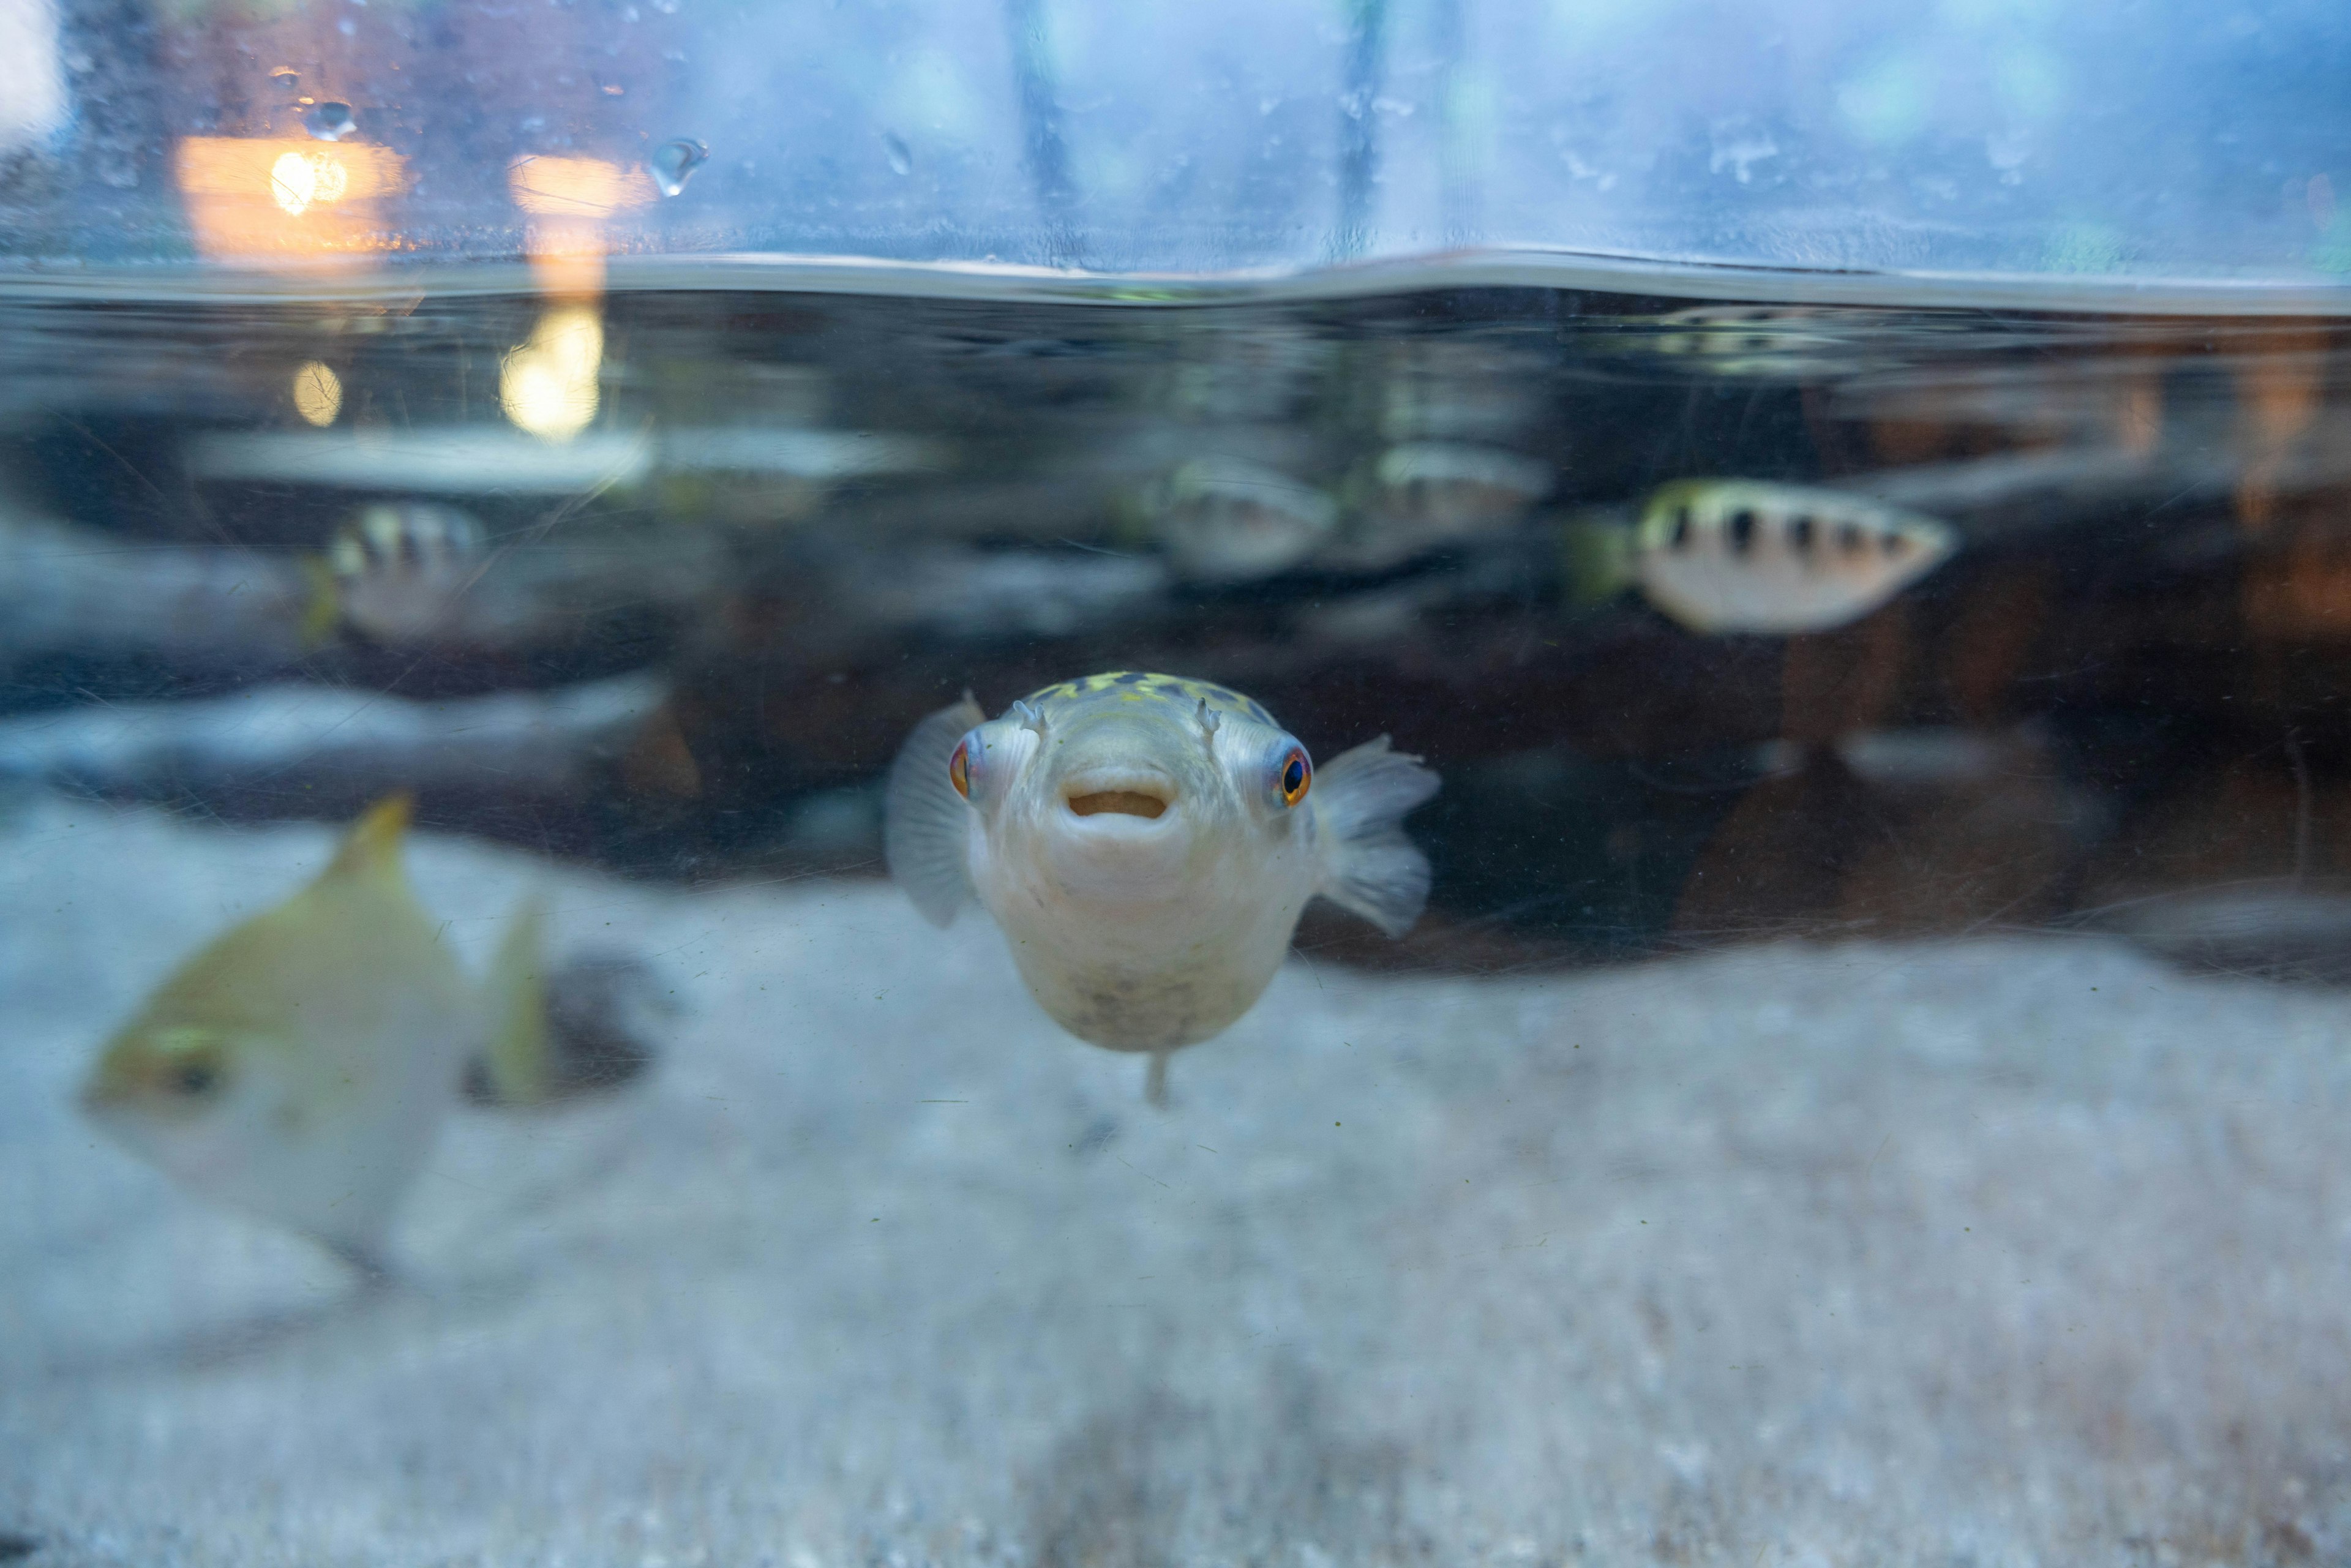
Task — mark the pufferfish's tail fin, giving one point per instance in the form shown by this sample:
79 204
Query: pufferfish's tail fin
925 825
1369 867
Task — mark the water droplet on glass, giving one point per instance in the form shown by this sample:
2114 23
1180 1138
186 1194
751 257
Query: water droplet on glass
286 79
902 157
673 162
331 120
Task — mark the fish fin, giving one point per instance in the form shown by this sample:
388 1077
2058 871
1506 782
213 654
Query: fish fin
1596 561
322 614
371 848
519 1056
925 825
1369 867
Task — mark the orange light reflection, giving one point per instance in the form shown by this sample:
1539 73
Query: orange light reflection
570 200
268 201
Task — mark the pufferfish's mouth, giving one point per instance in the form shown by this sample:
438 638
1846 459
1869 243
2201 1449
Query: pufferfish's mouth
1119 794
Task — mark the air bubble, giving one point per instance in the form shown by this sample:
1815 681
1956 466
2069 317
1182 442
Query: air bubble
331 120
900 156
673 162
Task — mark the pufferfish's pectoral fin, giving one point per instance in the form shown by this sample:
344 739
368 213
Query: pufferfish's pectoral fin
1369 867
925 825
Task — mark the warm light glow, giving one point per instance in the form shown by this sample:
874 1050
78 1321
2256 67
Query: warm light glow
268 199
576 187
547 385
299 179
318 394
570 200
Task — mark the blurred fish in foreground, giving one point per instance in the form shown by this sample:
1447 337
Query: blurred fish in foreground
1726 556
297 1066
1147 843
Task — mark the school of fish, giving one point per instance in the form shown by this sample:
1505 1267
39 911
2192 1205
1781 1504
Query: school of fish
1145 843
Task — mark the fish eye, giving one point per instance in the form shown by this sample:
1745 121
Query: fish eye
1297 776
959 768
194 1078
190 1063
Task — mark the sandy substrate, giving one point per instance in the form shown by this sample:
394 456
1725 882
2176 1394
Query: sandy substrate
2007 1251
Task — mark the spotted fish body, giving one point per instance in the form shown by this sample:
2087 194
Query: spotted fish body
297 1066
1728 555
1224 519
1146 843
400 569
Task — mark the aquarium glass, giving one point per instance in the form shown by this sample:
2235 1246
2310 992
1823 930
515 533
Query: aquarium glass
1406 782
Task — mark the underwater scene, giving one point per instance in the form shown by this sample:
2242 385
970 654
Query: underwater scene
1448 924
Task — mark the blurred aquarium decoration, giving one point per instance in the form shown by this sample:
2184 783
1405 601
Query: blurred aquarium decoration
1510 782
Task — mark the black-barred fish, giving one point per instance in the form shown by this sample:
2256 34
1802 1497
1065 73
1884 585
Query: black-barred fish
297 1066
1724 556
1772 341
1147 844
1421 496
398 569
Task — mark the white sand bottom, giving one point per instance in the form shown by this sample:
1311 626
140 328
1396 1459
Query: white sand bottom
2002 1251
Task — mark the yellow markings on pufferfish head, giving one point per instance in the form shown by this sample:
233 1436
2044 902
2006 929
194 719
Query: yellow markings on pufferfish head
1137 686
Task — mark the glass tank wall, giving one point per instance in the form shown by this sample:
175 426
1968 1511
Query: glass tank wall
2085 140
1396 783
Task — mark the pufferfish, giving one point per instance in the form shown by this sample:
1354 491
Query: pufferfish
1147 844
297 1066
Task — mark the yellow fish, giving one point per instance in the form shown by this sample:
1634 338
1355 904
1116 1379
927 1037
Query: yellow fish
297 1066
1146 843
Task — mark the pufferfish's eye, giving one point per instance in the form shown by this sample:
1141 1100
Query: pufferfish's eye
959 769
1297 776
